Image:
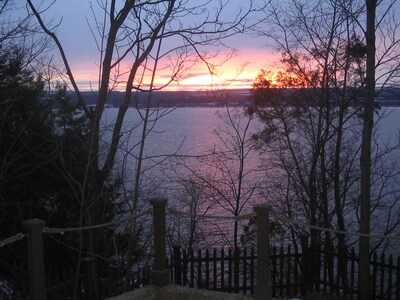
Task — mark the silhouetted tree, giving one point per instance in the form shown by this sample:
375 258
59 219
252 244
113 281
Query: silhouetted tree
127 36
312 109
25 132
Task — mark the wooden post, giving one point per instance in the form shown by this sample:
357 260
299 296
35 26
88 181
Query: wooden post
159 275
37 279
262 290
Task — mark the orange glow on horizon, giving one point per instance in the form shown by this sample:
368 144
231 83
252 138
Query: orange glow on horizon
238 73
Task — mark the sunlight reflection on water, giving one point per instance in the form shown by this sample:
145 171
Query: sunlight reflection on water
186 132
189 131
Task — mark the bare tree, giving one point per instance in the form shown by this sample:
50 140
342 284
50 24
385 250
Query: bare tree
226 178
366 149
224 173
312 108
194 230
128 34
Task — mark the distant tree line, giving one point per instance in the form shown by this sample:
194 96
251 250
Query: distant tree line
174 98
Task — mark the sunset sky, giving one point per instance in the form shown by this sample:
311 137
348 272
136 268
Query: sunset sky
239 72
251 54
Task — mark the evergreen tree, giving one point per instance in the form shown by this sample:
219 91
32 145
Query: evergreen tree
25 152
25 132
43 156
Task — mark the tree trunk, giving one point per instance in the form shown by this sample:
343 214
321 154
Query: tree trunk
365 159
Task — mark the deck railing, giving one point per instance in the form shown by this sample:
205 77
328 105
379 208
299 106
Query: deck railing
290 270
281 272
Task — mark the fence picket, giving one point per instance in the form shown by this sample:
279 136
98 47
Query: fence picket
296 268
382 276
191 268
230 270
281 271
325 271
169 262
390 277
222 269
244 271
398 279
331 264
344 276
352 273
337 285
252 272
304 266
289 257
185 267
199 265
236 262
374 273
177 265
207 268
274 273
289 272
215 269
